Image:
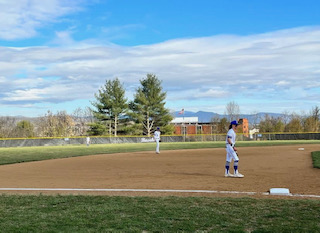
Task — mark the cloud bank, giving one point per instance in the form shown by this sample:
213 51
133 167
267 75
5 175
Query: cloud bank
21 19
279 68
269 64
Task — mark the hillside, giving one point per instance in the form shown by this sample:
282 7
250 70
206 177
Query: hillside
207 116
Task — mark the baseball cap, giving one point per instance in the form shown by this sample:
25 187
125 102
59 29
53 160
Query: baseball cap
158 128
234 123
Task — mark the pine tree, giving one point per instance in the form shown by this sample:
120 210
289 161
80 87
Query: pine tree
148 106
110 105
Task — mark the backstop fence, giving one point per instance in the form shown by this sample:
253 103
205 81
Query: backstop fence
28 142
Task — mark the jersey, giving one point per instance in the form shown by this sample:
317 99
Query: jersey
232 135
231 154
157 135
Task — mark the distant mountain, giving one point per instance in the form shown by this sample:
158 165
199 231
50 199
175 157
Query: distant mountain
202 116
207 116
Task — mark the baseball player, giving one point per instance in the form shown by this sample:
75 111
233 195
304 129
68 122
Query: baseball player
232 151
88 141
156 137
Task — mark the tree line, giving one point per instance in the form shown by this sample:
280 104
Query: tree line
110 114
292 122
285 123
113 114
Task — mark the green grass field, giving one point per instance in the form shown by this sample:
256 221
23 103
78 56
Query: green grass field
40 213
316 159
156 214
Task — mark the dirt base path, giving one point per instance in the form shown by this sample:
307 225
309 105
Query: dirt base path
202 169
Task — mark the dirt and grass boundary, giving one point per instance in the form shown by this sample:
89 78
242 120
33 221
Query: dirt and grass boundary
103 213
27 154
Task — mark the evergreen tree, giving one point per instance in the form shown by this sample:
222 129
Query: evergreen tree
110 105
148 106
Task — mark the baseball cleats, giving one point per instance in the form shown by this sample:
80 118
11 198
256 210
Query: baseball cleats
228 175
238 175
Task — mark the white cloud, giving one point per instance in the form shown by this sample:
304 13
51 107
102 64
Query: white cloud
248 67
21 18
282 83
210 93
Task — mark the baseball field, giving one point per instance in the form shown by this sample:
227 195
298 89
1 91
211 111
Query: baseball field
129 188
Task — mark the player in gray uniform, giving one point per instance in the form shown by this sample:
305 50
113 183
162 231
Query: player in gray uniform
232 151
156 137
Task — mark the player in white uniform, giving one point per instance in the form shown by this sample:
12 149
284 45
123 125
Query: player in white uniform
232 151
156 137
88 141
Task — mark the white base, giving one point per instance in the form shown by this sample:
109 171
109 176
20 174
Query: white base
280 191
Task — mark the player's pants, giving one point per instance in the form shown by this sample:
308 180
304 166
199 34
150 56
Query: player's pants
158 146
231 154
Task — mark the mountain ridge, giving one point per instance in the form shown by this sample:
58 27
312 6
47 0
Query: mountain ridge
205 117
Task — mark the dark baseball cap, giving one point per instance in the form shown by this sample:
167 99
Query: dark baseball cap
234 123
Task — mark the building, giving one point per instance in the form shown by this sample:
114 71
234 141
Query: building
191 126
185 125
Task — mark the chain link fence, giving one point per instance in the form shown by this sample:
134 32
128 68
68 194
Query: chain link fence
21 142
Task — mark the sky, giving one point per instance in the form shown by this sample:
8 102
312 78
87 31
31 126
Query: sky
263 55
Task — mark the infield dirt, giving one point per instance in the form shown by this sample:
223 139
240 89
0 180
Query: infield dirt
199 169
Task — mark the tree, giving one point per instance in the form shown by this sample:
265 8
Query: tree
266 125
59 125
279 125
295 124
255 119
315 113
24 129
82 118
148 106
233 111
65 124
310 124
7 126
97 128
223 125
110 104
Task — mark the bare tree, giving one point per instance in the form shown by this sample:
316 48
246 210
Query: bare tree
255 119
59 125
233 111
316 116
82 118
286 117
7 127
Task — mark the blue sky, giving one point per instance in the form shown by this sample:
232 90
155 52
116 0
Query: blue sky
264 55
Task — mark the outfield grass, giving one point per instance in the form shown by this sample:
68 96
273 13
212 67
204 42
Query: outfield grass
28 154
151 214
316 159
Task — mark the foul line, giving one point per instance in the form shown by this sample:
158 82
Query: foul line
153 190
125 190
